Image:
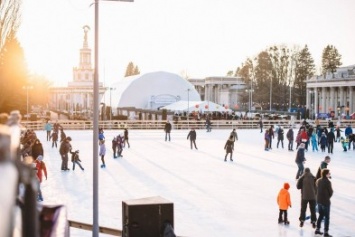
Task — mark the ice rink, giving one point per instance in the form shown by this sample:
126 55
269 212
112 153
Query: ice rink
212 198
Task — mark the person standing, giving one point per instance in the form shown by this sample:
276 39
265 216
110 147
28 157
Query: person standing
323 142
330 141
280 137
54 137
338 134
261 125
229 147
300 159
64 149
208 124
284 201
114 146
290 137
41 169
102 152
267 140
125 135
306 183
271 135
192 135
314 141
167 129
120 142
323 165
48 128
324 193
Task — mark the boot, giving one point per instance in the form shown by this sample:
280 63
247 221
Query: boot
326 234
318 232
301 223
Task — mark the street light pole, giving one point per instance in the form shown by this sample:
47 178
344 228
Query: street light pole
27 101
188 108
111 89
95 223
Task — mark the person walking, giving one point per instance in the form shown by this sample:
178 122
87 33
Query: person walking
102 152
284 201
192 135
324 193
290 138
330 141
125 135
64 149
280 137
323 165
307 184
76 159
54 138
48 128
300 160
167 129
229 147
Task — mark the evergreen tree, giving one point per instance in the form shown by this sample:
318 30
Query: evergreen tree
131 70
331 59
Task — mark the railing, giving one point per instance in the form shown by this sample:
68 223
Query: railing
181 124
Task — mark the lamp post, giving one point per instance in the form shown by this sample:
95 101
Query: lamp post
250 91
111 89
95 223
188 108
27 87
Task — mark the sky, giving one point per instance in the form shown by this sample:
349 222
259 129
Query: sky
211 197
198 38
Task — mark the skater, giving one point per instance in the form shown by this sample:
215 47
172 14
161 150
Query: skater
62 135
348 131
120 142
48 128
323 165
234 134
75 159
229 147
40 170
271 135
280 137
64 149
56 127
208 124
167 129
344 143
300 160
338 134
114 146
304 137
54 137
330 141
284 201
102 152
306 184
192 135
324 193
267 140
323 142
290 138
314 141
37 149
101 134
261 125
125 135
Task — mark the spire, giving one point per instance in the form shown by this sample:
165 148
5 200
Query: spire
86 29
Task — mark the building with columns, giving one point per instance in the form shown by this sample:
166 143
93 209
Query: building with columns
220 90
332 93
77 97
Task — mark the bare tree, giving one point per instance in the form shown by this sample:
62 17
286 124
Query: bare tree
9 19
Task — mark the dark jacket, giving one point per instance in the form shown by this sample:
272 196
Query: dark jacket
65 147
37 149
290 135
307 184
229 146
192 135
323 165
300 156
330 137
167 127
280 134
324 191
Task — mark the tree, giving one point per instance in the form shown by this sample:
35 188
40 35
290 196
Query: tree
131 70
9 20
331 59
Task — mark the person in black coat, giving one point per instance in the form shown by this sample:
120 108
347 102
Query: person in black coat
330 140
272 136
167 129
54 137
229 147
290 137
280 137
37 149
192 135
324 193
300 159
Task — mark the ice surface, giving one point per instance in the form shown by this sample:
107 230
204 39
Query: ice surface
211 197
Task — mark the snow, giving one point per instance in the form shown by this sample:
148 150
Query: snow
211 197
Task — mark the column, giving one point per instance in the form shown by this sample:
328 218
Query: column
308 98
316 108
351 104
323 98
332 99
341 99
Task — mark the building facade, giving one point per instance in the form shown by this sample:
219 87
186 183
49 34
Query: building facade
333 93
77 97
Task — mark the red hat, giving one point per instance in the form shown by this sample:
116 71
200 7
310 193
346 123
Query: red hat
286 186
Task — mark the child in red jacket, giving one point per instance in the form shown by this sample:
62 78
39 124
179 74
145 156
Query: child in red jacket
284 201
41 168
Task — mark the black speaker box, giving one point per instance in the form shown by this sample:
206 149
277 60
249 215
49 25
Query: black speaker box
146 217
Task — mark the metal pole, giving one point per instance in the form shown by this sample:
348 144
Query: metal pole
110 105
188 108
95 227
27 102
270 92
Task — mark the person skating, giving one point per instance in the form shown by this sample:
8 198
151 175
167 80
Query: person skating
64 149
314 141
54 138
125 135
280 137
101 134
167 129
324 193
271 135
284 202
323 142
120 142
76 159
40 170
300 159
37 149
114 146
338 134
323 165
330 141
267 140
192 135
208 124
290 138
229 147
306 183
234 134
102 152
48 129
261 125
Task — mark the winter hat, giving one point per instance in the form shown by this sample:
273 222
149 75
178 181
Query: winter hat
286 186
307 170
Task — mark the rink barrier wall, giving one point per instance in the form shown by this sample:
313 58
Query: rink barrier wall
159 124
